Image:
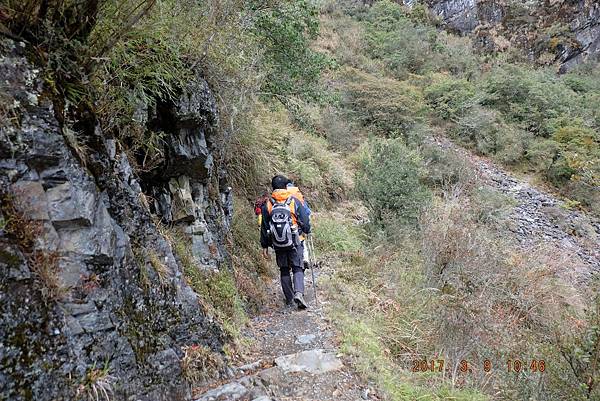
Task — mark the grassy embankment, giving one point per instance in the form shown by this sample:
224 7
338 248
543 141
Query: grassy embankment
435 275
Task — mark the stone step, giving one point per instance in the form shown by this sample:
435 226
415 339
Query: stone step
314 362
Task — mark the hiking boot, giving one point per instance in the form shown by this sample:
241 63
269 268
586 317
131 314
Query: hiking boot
299 299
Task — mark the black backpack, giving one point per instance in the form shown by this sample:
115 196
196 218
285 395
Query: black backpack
284 234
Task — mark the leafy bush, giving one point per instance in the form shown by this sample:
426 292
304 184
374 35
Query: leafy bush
542 155
455 56
285 32
392 37
445 168
386 105
451 98
341 134
486 132
578 137
530 98
480 128
390 181
513 145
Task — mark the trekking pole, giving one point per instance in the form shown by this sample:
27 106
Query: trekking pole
313 262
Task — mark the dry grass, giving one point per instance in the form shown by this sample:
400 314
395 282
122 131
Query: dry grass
43 263
159 267
97 385
200 364
459 290
274 145
490 290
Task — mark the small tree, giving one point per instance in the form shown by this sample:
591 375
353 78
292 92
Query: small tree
390 181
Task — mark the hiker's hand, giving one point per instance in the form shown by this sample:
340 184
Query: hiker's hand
265 253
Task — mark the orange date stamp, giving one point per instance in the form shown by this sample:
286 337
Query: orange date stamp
465 366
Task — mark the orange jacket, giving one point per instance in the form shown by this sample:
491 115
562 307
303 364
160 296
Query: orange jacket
295 192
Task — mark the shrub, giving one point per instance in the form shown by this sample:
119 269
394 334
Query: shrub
512 145
486 132
386 105
578 137
451 98
455 56
576 162
404 46
479 128
390 181
341 134
542 154
407 42
583 78
445 168
528 97
285 32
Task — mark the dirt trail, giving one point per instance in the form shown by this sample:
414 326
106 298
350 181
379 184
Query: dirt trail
539 217
294 356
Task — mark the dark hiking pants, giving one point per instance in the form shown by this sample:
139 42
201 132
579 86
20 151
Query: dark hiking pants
291 260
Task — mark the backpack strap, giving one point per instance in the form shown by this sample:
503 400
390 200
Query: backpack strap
270 203
292 205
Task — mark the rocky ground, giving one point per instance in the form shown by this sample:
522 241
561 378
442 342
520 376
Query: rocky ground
294 356
538 216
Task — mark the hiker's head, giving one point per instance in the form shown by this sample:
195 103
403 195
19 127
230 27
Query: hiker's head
290 184
279 182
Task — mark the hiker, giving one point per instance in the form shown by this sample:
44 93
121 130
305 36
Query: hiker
284 220
295 191
258 204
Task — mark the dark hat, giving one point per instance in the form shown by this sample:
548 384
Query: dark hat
279 182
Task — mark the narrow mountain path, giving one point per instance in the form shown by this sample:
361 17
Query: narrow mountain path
293 357
538 216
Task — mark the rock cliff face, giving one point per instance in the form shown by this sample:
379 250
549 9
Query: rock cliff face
563 31
92 295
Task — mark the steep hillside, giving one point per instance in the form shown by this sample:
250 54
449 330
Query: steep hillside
454 177
462 269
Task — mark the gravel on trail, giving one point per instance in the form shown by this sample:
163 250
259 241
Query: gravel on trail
294 356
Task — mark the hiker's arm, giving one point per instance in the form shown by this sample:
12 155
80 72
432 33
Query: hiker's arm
302 217
265 239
